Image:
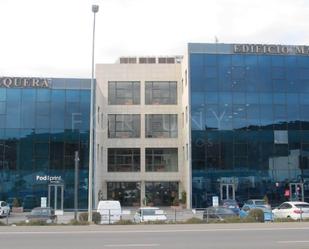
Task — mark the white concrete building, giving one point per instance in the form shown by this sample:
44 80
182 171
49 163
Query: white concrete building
141 151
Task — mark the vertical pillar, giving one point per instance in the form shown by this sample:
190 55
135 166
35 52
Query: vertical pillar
55 196
62 195
48 195
143 194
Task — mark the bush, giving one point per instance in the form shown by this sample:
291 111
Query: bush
76 222
194 220
284 220
2 224
33 223
257 214
155 222
124 222
96 217
183 197
16 203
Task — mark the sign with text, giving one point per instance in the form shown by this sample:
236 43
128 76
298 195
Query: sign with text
18 82
215 201
270 49
43 202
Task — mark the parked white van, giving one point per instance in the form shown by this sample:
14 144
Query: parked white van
110 211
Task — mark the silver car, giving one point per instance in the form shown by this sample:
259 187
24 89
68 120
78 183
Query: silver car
4 209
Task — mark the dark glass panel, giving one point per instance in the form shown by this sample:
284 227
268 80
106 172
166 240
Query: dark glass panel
127 193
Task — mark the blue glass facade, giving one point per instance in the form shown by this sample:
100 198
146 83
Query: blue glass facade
40 129
249 124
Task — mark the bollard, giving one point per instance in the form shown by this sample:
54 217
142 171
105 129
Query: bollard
109 216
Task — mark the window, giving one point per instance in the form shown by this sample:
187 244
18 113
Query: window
162 159
161 125
128 193
161 193
161 93
124 125
123 93
123 160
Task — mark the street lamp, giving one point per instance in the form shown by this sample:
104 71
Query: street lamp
95 9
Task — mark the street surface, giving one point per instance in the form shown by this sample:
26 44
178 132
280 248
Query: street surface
198 236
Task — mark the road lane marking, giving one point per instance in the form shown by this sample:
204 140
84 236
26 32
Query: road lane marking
132 245
293 241
62 232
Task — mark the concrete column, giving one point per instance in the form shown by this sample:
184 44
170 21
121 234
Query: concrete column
142 192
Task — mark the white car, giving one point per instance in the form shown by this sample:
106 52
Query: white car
295 210
4 209
146 214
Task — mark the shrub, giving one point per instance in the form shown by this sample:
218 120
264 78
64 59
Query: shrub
16 203
284 220
194 220
76 222
124 222
183 197
257 214
96 217
2 224
83 217
33 223
154 222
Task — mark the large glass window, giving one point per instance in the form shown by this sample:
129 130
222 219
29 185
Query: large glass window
124 125
127 193
162 159
123 93
123 160
160 93
161 193
36 139
161 125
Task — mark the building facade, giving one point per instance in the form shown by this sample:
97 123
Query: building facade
242 117
226 120
249 128
43 121
139 142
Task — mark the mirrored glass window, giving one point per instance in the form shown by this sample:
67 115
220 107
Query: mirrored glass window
161 93
123 93
161 125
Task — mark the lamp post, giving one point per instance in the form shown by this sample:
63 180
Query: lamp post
95 9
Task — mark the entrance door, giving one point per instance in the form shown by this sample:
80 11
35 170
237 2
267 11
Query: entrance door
55 196
297 191
227 191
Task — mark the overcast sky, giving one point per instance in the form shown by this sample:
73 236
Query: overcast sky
53 38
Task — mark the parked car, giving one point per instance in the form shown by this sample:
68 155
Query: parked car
218 213
268 215
257 203
295 210
110 211
231 204
4 209
146 214
42 214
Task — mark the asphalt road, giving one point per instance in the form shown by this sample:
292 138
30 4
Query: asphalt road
204 236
